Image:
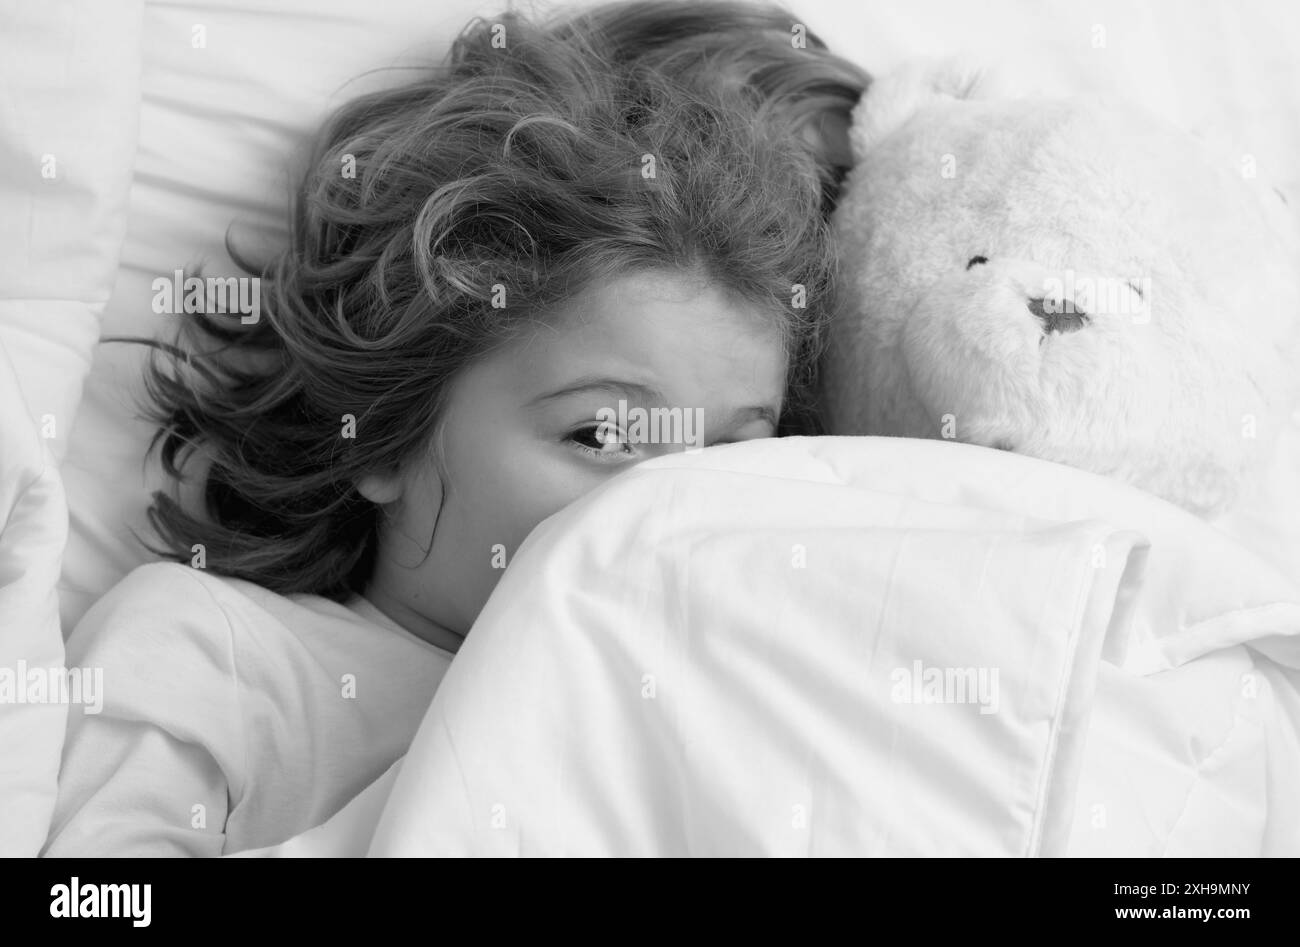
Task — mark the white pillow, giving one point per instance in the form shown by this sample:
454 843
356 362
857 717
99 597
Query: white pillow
1227 71
68 117
33 529
229 93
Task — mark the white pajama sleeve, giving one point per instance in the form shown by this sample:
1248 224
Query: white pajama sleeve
129 788
158 768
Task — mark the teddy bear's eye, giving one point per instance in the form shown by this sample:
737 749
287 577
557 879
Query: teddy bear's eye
976 260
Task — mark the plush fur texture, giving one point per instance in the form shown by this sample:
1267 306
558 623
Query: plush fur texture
1069 279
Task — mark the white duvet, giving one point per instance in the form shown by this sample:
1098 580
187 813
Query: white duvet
866 646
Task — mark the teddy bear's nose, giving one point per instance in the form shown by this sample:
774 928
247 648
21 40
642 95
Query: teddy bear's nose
1058 315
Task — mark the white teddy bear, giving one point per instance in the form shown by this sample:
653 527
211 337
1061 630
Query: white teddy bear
1066 278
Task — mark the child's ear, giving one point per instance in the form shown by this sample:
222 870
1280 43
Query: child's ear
381 488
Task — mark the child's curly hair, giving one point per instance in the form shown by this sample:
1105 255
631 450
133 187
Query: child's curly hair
516 166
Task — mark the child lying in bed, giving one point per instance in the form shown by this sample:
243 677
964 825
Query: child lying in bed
490 269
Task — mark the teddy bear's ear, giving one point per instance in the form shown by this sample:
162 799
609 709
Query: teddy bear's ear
894 98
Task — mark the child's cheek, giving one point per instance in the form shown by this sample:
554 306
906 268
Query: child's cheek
489 512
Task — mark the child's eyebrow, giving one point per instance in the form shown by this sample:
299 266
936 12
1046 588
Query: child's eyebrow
651 395
612 385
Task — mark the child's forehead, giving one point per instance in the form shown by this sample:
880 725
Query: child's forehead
659 311
681 339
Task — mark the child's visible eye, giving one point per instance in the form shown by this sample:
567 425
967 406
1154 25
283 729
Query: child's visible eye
605 442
